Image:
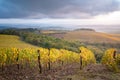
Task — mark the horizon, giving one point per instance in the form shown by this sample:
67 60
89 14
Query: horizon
98 28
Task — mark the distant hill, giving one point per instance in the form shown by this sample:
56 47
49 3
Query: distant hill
84 29
92 36
4 27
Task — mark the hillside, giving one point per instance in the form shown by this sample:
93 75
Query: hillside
13 41
65 70
92 37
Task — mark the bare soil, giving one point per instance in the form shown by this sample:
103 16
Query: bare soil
66 72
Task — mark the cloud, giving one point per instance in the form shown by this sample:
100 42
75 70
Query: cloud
112 18
11 10
56 8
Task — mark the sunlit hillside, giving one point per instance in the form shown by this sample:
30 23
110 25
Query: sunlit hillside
91 36
7 41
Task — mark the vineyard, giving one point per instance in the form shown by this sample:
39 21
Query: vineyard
46 58
51 58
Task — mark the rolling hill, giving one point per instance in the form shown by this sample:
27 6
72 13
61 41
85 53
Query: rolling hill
92 37
7 41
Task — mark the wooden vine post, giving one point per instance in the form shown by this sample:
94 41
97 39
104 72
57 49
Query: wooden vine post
49 65
62 62
114 54
17 59
39 61
80 61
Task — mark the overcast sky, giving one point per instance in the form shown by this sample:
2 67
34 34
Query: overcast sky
79 12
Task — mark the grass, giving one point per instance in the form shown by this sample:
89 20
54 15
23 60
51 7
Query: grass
8 41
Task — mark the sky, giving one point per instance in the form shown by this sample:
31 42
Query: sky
73 12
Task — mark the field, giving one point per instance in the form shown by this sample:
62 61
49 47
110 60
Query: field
88 36
92 37
10 41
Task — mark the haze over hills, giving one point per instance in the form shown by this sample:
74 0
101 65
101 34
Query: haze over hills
84 33
99 28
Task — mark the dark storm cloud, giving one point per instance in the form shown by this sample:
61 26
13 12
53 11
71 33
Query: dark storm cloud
56 8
